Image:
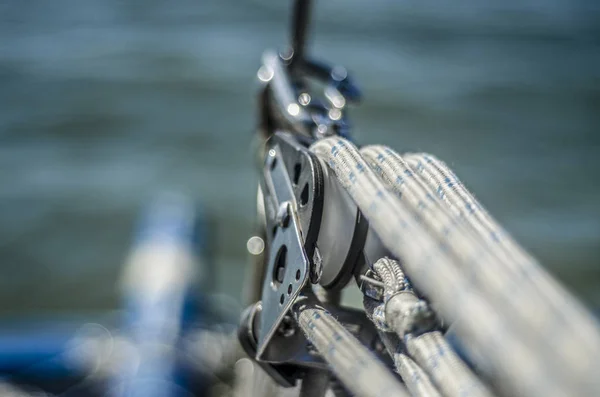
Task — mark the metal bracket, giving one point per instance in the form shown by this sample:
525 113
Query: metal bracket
287 102
296 354
292 187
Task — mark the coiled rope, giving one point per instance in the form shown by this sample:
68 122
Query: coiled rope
469 281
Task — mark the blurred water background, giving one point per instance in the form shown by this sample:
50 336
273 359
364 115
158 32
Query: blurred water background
104 102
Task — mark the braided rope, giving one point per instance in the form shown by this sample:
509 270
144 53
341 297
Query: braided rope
519 369
508 285
414 322
567 311
416 379
355 366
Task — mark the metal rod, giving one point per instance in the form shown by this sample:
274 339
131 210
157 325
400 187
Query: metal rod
300 19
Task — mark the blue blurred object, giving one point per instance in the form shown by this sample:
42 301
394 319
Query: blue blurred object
162 304
35 349
159 282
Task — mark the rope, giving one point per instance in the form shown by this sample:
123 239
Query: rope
404 311
436 272
450 191
417 381
414 322
492 268
446 369
358 369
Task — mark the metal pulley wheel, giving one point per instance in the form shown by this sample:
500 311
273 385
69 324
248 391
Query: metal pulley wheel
342 231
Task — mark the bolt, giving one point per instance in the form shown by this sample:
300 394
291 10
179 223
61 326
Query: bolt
280 274
287 327
271 160
283 214
317 269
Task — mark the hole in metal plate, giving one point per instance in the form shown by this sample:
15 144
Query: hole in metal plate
297 170
280 264
304 195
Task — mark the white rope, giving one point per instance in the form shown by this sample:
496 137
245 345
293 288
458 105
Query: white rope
568 312
356 367
415 324
416 379
509 286
446 369
435 272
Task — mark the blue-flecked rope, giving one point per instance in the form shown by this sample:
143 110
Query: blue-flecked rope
516 366
414 323
416 379
355 366
510 282
566 313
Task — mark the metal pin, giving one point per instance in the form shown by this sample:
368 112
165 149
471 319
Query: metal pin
372 281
